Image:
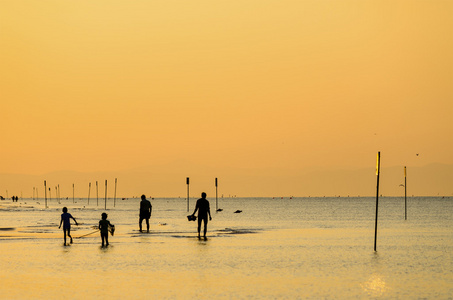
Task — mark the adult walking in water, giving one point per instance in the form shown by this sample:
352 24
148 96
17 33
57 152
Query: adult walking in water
66 220
203 211
145 212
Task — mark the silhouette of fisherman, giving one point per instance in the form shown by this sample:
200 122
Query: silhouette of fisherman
145 212
203 211
65 220
104 226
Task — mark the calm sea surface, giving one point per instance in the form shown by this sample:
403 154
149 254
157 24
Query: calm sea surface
315 248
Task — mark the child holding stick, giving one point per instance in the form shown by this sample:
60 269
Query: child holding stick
65 220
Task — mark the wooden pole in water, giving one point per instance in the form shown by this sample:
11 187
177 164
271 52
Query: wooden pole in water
216 198
33 193
377 196
45 192
187 181
114 197
405 194
56 195
105 194
97 194
73 200
89 192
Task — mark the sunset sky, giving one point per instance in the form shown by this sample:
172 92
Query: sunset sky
101 86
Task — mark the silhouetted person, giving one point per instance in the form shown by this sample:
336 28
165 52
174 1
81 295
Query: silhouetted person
203 211
145 212
104 226
65 219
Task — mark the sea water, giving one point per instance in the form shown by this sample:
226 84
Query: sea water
276 248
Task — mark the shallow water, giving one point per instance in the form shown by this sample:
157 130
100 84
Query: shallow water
276 248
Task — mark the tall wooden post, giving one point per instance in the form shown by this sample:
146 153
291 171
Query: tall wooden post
187 181
73 199
45 192
377 196
105 194
405 194
216 198
114 197
89 192
97 194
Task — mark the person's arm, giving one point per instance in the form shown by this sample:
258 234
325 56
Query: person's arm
209 213
196 208
99 227
75 221
61 221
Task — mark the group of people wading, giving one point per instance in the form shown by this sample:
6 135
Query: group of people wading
202 206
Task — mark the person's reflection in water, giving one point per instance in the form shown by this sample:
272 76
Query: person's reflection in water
203 211
145 212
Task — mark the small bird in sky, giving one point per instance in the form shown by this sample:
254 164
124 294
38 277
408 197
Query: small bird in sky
416 154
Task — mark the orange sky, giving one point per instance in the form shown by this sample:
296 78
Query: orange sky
111 85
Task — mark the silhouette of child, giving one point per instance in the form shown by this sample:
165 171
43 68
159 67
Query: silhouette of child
104 225
65 219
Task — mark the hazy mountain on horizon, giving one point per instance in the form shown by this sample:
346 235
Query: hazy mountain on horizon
168 180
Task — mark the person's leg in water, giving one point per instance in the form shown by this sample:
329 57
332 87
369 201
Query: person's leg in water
140 223
199 226
64 232
205 226
147 224
105 237
69 234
